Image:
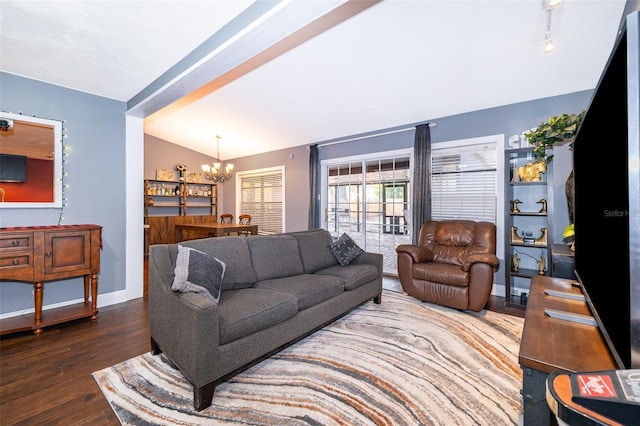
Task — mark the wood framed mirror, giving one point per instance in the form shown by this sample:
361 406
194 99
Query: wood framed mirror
30 161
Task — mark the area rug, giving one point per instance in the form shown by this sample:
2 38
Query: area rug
403 362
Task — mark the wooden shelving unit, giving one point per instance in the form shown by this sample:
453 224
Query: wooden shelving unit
167 203
528 232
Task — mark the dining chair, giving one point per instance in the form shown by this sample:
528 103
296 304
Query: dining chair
244 219
226 218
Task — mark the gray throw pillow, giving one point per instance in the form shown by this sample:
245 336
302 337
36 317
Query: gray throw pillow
197 272
344 249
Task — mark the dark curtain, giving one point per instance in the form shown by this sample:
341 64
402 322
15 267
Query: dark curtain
421 206
314 202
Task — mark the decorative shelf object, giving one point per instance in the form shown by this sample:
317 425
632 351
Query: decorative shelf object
528 221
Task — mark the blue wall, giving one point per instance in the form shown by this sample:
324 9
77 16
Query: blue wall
95 160
508 120
95 166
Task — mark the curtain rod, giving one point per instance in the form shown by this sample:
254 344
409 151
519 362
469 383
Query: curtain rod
373 135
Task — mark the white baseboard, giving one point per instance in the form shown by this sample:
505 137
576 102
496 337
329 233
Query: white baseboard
498 290
103 300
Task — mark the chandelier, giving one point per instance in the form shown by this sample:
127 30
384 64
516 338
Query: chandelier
215 173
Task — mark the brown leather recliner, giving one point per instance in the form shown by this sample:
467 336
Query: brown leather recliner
452 265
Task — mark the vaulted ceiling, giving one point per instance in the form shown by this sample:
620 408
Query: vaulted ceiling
269 75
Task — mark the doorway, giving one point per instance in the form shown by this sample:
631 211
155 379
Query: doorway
368 198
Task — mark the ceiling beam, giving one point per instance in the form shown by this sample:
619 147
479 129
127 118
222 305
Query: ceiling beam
264 31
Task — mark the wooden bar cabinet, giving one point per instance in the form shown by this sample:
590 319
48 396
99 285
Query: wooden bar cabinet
41 254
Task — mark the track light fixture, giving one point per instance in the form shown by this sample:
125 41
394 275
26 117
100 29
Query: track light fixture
549 6
548 43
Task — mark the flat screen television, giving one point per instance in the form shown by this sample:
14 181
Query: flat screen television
13 168
607 199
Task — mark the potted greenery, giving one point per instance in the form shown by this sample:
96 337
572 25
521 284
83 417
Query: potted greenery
570 233
557 130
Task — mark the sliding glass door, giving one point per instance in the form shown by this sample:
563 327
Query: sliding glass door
368 198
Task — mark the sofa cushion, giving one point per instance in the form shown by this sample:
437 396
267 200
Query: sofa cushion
197 272
314 249
234 252
352 276
345 249
246 311
442 273
307 288
275 256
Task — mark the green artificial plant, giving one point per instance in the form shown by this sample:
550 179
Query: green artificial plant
569 231
557 130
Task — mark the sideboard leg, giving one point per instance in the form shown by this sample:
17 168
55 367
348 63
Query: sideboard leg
38 289
94 296
87 280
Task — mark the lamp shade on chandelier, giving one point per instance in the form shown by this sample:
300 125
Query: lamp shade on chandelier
215 173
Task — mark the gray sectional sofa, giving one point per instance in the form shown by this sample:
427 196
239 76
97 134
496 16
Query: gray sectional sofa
276 290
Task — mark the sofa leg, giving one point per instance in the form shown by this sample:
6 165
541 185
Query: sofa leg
202 396
155 349
378 299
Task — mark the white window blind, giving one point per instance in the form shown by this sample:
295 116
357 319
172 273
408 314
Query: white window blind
261 195
464 182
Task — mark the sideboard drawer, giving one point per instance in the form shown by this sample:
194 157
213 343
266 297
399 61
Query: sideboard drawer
17 266
17 260
18 241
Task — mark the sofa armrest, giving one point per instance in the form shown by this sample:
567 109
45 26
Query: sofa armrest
419 254
488 258
369 258
184 325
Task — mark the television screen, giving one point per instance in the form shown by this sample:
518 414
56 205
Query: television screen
603 206
13 168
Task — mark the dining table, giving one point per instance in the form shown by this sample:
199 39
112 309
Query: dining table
214 229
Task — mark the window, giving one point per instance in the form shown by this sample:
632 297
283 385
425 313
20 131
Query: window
261 195
464 181
369 196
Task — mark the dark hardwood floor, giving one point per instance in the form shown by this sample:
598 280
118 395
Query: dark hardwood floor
46 379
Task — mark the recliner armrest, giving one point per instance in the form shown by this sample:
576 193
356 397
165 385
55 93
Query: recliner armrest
419 254
487 258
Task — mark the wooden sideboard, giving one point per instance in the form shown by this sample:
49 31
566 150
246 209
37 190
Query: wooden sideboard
551 344
41 254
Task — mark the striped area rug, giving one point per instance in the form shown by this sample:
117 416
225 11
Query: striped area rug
402 362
